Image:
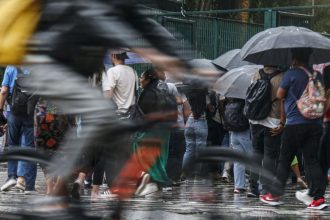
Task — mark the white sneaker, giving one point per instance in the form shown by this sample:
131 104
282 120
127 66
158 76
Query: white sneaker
145 179
10 182
304 197
30 192
107 194
166 189
148 189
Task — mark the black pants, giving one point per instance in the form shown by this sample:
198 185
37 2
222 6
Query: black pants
215 136
177 147
103 158
266 150
307 137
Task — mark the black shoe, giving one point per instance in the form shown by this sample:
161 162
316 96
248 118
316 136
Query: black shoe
252 194
75 192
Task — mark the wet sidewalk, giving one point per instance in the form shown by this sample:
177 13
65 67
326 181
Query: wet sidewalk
194 200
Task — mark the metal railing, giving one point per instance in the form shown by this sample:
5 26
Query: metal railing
204 34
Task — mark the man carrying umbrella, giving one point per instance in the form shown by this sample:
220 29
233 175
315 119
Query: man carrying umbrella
299 132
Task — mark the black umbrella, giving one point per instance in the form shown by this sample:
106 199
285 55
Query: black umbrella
230 60
273 46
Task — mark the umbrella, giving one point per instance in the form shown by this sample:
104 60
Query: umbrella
235 82
206 67
230 60
203 73
273 46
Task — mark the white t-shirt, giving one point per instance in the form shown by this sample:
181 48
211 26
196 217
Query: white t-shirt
122 79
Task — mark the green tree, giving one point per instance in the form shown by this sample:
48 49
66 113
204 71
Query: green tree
321 18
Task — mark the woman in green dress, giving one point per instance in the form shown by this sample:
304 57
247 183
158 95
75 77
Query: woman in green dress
155 139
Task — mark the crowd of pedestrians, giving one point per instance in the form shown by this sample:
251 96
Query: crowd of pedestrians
164 154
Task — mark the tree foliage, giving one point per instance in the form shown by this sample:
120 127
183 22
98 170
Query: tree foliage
321 19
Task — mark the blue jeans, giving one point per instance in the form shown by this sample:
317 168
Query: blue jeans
20 133
196 137
240 141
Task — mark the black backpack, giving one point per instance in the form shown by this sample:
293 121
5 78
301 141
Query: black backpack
22 102
258 102
234 119
166 102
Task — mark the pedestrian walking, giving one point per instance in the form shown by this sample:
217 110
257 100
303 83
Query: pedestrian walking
50 125
240 138
216 132
120 82
301 131
195 132
153 167
325 140
21 174
266 130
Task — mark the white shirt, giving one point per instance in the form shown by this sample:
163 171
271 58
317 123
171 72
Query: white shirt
268 122
122 80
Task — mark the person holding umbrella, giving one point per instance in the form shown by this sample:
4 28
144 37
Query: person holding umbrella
300 131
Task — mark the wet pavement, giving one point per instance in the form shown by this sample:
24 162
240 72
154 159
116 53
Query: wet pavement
194 200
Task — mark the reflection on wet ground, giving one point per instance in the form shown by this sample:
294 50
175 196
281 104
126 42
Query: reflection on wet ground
193 200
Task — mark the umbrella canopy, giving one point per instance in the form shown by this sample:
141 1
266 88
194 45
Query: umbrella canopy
204 71
230 60
205 68
235 82
273 46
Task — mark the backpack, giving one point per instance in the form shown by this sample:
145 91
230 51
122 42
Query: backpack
165 102
312 101
22 101
258 102
234 119
135 112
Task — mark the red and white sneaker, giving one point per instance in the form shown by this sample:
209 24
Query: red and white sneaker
318 204
271 200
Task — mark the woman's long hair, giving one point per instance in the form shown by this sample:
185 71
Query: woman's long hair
152 75
197 101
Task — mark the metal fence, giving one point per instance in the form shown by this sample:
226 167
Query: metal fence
205 35
208 37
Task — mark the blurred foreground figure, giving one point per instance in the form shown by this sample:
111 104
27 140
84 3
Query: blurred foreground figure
71 40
